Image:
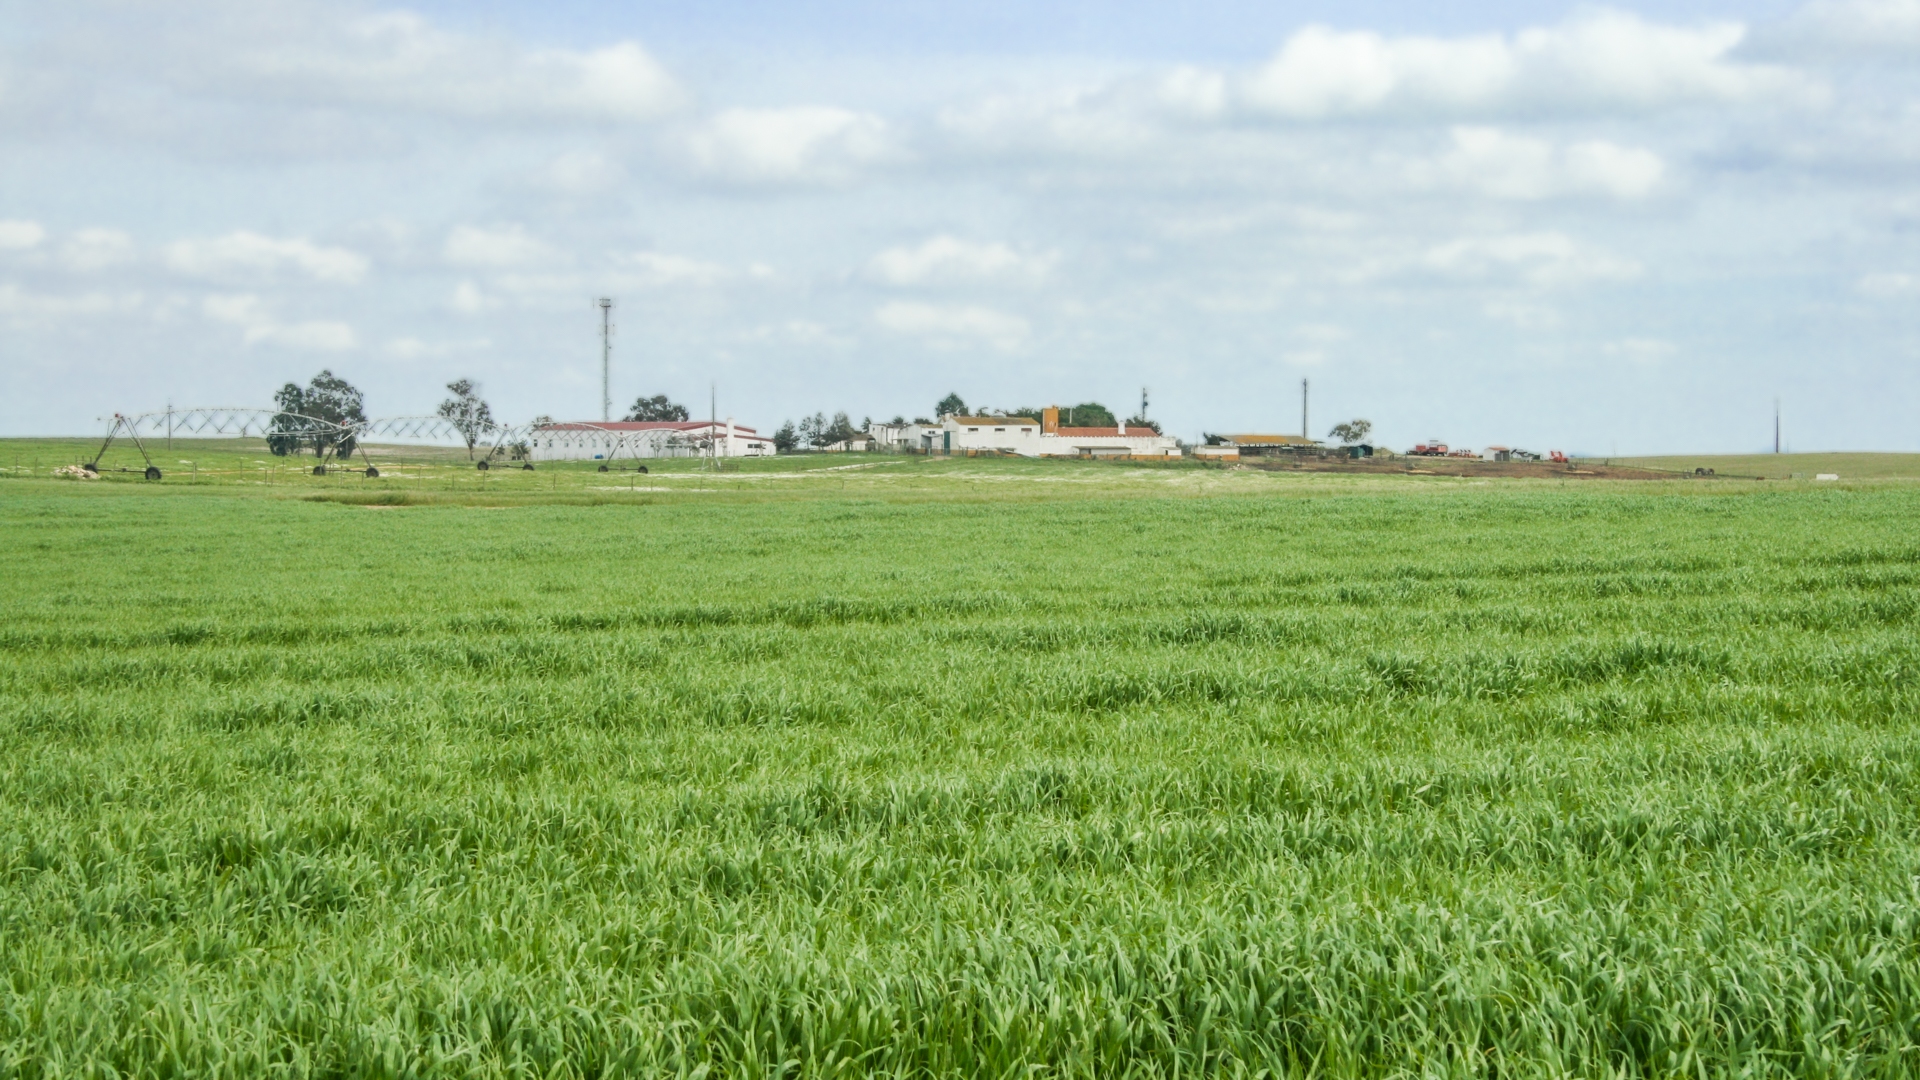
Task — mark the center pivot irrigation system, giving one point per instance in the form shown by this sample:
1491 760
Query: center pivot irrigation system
337 441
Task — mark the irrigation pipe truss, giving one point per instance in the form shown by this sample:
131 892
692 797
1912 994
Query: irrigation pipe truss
337 440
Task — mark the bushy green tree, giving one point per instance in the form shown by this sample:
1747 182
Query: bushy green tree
1088 414
327 398
951 405
784 440
656 408
839 429
811 428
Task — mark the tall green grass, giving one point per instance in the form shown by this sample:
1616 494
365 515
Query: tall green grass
1415 780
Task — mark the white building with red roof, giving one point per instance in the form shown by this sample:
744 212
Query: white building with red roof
1029 437
606 440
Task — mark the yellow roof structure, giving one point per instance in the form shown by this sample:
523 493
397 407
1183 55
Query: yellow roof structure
1270 440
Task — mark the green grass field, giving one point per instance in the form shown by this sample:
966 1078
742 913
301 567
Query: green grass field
1789 466
982 768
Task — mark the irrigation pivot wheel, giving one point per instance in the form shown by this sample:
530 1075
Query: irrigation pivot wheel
528 467
319 470
483 466
153 472
373 473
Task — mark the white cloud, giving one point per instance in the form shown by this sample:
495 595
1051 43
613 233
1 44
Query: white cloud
581 174
1194 92
1106 121
1522 315
250 254
1625 172
400 60
1889 286
412 348
20 235
1542 259
797 332
27 306
1601 59
1644 352
259 326
808 144
1509 166
508 246
953 324
468 299
1841 30
97 249
656 269
946 259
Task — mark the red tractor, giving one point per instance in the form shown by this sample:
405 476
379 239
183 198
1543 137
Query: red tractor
1557 457
1430 448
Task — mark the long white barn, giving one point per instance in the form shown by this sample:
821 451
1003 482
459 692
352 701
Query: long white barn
588 440
1025 436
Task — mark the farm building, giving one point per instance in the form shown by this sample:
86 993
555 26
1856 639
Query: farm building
1025 436
1266 445
587 440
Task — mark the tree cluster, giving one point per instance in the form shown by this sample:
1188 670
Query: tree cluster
655 409
313 416
814 432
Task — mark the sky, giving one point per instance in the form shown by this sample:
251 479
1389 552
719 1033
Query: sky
1603 229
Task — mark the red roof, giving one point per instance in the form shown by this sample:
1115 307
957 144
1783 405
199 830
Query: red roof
647 425
1108 432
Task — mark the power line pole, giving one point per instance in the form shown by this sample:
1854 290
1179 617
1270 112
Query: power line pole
1303 408
1776 425
713 419
606 358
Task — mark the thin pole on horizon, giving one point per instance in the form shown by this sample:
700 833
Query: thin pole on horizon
1303 408
606 358
1776 425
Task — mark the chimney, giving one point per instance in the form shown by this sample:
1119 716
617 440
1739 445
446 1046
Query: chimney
1123 427
1050 420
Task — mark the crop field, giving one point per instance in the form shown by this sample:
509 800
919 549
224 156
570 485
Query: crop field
972 768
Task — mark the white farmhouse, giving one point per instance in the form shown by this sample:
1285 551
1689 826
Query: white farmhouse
604 440
1024 436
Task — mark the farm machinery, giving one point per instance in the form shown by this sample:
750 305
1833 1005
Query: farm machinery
1436 448
334 442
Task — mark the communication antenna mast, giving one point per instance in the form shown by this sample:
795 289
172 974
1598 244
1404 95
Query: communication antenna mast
1143 403
1303 408
606 358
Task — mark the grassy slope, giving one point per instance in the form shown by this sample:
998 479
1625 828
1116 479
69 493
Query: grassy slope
998 766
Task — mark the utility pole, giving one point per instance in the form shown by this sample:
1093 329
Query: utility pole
713 419
1303 408
1143 403
169 423
1776 425
606 358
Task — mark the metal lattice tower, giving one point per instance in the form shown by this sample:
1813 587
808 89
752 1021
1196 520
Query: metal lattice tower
606 358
